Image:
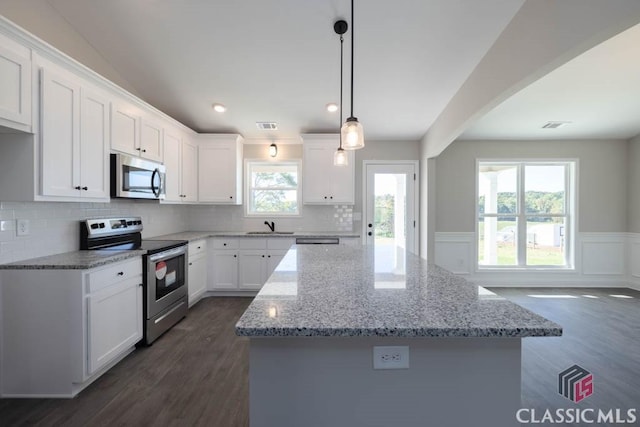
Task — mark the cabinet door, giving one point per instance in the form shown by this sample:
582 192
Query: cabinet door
114 321
316 167
15 93
151 141
94 145
197 281
273 259
217 170
173 163
325 183
253 269
343 181
225 270
125 128
189 172
60 135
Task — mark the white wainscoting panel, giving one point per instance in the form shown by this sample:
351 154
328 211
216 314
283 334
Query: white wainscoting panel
603 253
454 251
601 260
633 259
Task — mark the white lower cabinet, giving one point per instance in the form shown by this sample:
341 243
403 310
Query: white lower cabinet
114 322
253 269
245 264
62 329
197 272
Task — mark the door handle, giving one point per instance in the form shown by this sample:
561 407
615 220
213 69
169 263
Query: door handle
369 233
370 225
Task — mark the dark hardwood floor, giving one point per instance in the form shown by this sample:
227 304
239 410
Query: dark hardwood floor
197 373
601 333
194 375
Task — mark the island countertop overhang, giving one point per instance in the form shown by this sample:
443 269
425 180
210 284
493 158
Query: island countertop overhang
341 291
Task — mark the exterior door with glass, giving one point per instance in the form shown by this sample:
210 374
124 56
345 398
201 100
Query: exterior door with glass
390 206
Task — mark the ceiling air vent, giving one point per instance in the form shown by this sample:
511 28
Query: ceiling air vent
267 125
554 125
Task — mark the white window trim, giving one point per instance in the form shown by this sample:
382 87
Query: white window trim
247 190
571 189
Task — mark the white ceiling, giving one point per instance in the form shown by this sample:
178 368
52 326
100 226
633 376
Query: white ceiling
278 60
598 92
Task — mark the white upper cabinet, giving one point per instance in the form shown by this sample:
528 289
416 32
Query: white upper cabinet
172 161
125 128
189 171
180 155
220 169
151 140
135 134
94 144
323 182
74 138
15 88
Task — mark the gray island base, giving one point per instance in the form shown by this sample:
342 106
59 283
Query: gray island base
314 325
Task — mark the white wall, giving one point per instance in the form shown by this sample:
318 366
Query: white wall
601 238
380 150
39 18
55 226
602 179
633 212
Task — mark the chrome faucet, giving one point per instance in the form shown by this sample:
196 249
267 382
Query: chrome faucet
271 225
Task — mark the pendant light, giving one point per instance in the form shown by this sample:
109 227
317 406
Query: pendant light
340 157
352 131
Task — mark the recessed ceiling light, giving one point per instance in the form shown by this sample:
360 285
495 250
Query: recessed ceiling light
332 108
219 108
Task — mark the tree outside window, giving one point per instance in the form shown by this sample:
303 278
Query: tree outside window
272 188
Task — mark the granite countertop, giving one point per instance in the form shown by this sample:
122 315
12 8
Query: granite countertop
78 260
345 291
197 235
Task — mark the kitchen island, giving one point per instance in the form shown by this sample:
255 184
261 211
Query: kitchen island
314 325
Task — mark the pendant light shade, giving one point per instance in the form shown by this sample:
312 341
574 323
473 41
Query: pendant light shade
352 134
340 157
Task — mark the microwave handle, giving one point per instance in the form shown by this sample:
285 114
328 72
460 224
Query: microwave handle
156 191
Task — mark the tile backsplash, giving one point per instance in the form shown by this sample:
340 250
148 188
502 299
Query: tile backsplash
54 226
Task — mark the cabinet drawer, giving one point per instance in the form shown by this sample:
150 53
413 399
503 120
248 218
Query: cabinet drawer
279 243
113 274
197 247
253 243
219 243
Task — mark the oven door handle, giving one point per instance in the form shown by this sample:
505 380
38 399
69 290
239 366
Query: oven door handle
168 254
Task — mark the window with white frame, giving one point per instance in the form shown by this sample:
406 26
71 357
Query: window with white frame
525 214
272 188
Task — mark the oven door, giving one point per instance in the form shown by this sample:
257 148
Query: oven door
166 279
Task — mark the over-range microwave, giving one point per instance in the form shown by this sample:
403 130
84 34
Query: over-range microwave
135 178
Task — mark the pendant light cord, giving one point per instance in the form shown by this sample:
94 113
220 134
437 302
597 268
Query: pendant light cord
341 60
353 33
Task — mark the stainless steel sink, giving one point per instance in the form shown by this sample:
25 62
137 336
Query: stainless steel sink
269 232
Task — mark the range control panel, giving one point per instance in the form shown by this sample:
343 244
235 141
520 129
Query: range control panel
106 226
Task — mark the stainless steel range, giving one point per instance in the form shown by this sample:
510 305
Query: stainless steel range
164 269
